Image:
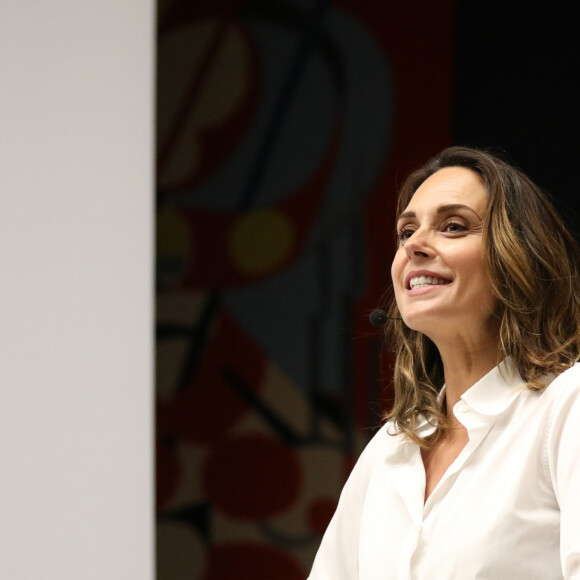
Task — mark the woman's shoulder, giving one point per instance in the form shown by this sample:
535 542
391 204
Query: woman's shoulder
562 433
561 397
382 444
566 383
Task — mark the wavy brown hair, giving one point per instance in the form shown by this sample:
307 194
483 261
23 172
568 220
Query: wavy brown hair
533 263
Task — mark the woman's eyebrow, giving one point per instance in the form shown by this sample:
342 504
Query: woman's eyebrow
441 209
454 206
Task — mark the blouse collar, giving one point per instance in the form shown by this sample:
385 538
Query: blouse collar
480 404
494 392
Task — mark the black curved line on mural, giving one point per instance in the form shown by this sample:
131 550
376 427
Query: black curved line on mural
197 516
311 31
288 16
198 339
167 331
251 398
324 405
312 38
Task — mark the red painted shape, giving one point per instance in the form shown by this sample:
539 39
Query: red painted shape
252 477
248 561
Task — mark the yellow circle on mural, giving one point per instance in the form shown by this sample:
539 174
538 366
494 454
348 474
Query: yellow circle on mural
261 240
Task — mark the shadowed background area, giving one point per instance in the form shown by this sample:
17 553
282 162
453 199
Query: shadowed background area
284 128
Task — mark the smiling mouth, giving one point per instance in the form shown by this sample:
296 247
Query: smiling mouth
424 281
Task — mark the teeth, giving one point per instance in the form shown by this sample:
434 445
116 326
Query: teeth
421 281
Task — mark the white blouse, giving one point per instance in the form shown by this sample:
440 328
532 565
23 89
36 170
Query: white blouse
507 508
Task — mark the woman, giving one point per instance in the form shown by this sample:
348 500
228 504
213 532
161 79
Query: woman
476 474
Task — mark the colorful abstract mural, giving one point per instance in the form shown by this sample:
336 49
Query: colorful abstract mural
283 128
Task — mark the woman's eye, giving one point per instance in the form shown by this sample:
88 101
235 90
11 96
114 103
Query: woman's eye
455 227
405 234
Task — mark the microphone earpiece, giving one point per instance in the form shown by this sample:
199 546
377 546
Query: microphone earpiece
378 317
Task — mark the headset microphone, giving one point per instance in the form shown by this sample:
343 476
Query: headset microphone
378 317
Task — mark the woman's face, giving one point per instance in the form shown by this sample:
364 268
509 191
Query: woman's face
438 276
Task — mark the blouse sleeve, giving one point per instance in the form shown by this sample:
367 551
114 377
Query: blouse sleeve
337 557
564 465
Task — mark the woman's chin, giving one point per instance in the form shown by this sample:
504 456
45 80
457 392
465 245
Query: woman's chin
422 322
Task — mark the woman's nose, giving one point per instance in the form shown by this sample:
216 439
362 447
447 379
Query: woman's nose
417 246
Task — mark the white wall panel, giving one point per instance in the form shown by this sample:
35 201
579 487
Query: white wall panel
76 181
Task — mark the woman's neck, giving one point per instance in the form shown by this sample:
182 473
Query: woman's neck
464 366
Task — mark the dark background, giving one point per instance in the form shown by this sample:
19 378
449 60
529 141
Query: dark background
283 131
516 89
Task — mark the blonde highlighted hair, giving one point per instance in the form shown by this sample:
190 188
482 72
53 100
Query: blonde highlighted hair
533 263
